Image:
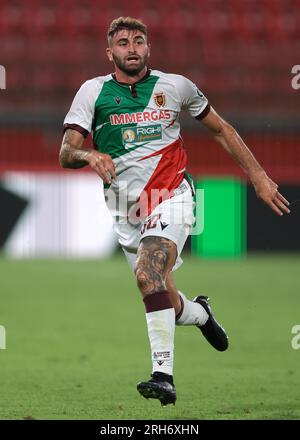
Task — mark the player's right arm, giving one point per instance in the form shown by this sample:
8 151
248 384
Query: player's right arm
72 155
77 125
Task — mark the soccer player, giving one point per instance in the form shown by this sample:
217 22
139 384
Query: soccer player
133 116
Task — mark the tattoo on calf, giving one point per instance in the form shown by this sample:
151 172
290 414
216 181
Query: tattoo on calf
156 256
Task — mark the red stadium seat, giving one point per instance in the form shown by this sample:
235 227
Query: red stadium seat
237 48
12 18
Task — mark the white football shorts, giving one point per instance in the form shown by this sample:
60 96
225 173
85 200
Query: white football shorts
172 219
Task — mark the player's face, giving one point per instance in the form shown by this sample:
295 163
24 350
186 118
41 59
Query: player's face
129 51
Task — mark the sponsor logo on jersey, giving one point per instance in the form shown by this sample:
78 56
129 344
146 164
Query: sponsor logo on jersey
160 99
133 118
141 134
128 135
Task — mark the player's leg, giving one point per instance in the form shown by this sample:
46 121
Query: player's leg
197 312
187 312
174 295
155 258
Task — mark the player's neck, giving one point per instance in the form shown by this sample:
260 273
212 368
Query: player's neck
122 77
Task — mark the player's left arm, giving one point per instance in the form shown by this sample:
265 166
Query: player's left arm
228 138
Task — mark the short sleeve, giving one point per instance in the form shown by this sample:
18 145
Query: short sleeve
81 113
192 99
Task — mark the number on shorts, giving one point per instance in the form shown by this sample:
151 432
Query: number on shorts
151 223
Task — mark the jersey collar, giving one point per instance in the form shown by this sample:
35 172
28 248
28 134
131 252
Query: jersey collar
147 74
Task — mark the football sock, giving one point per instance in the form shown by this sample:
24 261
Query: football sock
191 313
160 317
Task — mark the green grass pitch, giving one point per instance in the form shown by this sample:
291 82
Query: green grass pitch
77 342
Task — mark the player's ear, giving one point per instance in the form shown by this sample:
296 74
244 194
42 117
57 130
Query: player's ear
109 54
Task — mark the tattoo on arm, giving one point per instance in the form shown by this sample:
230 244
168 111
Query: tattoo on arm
71 154
156 257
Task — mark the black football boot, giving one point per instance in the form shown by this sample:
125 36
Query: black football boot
212 330
160 387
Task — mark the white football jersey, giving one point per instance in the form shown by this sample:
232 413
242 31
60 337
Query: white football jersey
138 126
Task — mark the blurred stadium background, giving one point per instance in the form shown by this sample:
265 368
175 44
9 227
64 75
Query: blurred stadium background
240 53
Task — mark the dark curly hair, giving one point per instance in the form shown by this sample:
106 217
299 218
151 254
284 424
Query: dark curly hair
125 23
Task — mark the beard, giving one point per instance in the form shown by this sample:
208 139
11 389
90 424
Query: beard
131 70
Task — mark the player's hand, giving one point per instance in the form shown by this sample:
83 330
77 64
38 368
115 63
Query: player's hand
103 165
267 190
